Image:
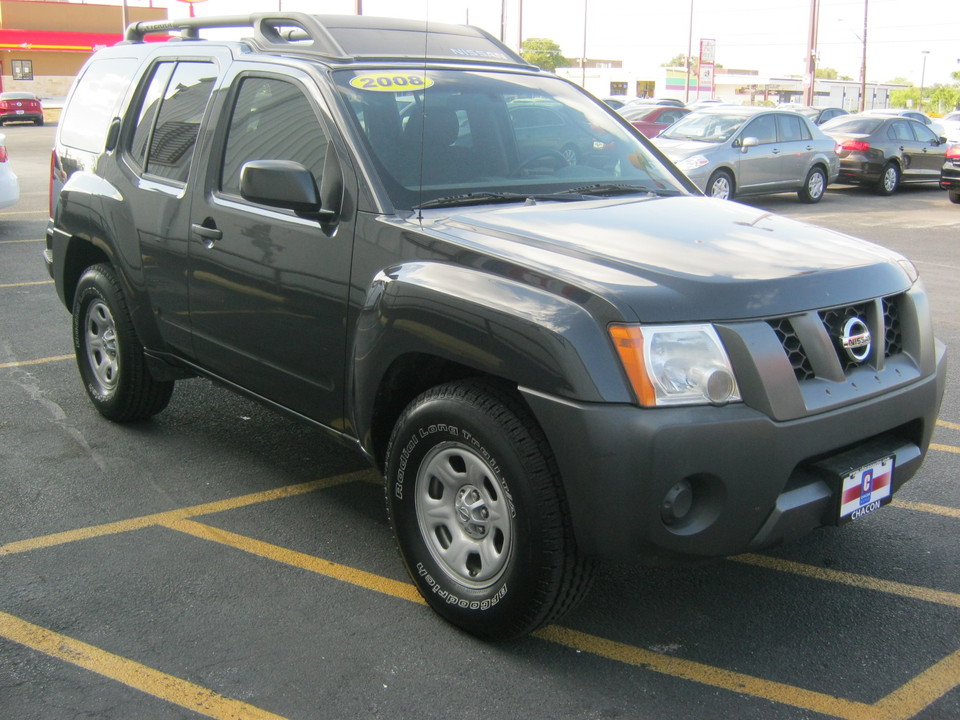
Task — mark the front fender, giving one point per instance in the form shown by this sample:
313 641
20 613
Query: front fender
495 325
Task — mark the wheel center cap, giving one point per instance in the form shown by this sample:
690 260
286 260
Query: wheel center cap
472 513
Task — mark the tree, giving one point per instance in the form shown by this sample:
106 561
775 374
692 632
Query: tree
826 73
543 53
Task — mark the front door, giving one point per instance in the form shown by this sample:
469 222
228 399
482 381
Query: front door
268 289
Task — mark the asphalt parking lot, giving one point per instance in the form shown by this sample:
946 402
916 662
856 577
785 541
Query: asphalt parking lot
222 561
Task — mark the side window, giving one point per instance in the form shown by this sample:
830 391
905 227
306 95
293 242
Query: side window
93 105
923 133
148 111
791 128
900 130
764 128
271 120
175 132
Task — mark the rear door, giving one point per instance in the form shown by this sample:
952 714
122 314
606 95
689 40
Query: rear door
797 149
268 289
760 166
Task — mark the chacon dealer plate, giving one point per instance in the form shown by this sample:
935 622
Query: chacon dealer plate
866 489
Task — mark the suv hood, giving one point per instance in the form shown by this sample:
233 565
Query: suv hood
682 258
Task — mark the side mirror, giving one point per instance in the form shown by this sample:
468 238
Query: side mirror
748 142
282 184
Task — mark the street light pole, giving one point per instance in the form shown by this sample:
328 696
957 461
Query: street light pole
686 91
923 72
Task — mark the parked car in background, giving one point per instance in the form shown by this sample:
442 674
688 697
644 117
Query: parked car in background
657 101
9 184
950 173
951 126
885 150
733 151
20 107
551 129
616 101
817 114
652 119
922 117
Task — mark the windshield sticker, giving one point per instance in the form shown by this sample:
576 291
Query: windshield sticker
393 82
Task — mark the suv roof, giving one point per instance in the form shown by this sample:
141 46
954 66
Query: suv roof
346 38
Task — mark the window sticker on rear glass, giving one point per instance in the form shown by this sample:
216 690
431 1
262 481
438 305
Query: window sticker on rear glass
391 82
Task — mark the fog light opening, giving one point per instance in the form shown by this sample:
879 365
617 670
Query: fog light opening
677 503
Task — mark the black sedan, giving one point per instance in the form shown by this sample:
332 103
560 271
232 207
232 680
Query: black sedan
885 151
950 173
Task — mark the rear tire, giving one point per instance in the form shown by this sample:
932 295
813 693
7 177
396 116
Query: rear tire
889 179
814 186
109 354
954 196
478 512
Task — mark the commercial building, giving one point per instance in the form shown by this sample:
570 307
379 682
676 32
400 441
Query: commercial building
739 87
44 44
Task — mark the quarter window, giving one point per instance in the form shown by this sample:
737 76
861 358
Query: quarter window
93 105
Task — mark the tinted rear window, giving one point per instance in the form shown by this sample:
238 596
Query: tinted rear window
94 102
853 124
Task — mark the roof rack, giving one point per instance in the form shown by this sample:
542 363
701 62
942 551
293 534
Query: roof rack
346 38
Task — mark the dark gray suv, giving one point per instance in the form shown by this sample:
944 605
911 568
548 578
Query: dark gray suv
554 357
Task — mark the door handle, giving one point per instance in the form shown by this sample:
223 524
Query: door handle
207 234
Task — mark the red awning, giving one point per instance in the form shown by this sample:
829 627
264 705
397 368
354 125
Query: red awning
61 41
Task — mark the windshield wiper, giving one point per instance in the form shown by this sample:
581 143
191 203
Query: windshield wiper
484 198
612 189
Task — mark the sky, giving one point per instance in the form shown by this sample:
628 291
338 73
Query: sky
769 36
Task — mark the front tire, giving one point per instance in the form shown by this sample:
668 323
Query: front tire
478 512
720 185
109 354
814 186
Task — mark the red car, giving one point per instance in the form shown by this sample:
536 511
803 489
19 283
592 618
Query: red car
20 107
652 119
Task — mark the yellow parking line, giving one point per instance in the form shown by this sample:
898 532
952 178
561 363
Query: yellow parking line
40 361
27 284
14 242
927 508
947 424
143 521
914 592
128 672
344 573
945 448
903 703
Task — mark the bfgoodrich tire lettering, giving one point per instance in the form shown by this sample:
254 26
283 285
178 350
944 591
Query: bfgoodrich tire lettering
109 355
478 512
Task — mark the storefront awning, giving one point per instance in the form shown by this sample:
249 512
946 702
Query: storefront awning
61 41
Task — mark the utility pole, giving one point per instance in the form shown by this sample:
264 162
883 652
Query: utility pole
810 77
863 63
686 90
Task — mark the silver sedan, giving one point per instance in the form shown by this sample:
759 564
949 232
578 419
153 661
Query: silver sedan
736 151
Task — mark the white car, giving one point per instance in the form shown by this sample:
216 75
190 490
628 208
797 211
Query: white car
951 126
9 185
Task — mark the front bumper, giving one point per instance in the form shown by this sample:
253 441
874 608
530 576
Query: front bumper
755 481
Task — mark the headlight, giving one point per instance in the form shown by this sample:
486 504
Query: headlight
675 364
692 163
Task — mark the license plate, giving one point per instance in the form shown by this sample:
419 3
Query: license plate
20 112
866 489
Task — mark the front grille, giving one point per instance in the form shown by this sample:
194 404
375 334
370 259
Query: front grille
793 348
884 324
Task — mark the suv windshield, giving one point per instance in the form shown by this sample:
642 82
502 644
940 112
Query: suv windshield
710 127
493 132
